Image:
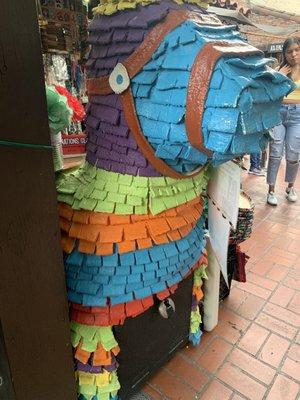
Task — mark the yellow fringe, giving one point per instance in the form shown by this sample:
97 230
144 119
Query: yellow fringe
99 380
109 7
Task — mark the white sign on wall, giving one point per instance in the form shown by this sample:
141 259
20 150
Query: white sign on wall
224 189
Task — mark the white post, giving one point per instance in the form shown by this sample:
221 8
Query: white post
211 291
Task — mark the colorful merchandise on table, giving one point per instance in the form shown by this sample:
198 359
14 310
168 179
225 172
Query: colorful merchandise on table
73 103
62 108
59 117
73 142
59 112
170 90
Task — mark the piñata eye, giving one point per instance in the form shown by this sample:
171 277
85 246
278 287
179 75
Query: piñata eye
119 79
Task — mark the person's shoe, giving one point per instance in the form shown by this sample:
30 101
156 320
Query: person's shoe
272 199
291 194
256 171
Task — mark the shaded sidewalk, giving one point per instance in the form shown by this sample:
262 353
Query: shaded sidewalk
254 352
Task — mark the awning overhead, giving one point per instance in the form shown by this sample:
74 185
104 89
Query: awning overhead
240 18
289 7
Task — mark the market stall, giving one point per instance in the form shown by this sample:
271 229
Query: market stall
63 30
173 95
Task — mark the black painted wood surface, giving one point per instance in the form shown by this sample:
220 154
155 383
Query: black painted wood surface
148 341
22 93
6 387
33 303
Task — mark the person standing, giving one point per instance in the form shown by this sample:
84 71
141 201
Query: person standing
287 134
255 165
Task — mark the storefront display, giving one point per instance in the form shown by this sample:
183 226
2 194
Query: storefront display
59 117
63 111
171 90
63 28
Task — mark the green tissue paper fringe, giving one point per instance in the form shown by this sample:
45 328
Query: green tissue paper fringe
91 336
195 321
59 113
90 188
199 274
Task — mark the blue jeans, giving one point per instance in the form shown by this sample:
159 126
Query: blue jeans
286 136
255 159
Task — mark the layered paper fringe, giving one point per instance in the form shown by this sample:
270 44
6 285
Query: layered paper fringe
59 113
94 280
95 347
116 314
90 188
98 232
195 331
89 337
102 386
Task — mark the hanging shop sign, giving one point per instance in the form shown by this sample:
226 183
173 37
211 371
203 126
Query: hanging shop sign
275 48
73 145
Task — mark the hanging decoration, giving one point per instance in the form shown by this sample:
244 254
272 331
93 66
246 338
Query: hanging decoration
59 117
73 103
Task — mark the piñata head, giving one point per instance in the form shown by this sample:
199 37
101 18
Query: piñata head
187 88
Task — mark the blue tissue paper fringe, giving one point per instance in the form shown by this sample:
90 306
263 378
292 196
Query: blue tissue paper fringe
242 100
150 271
195 338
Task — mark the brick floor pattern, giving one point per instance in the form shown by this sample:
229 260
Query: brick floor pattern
254 352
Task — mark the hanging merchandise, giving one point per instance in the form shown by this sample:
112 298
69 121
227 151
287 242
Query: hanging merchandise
60 69
63 25
76 76
171 90
62 72
245 220
237 260
59 73
74 140
86 3
73 103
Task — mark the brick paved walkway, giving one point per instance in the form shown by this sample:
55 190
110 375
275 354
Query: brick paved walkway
254 352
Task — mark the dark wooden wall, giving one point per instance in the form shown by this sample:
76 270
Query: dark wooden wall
33 305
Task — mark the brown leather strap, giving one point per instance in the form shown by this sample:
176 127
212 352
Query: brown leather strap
199 82
144 52
144 146
99 86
